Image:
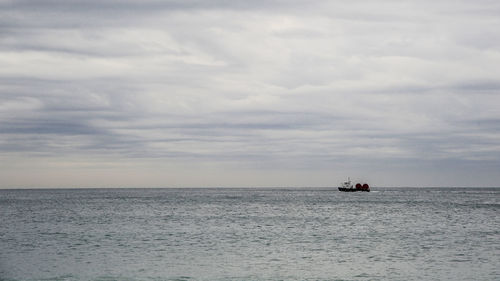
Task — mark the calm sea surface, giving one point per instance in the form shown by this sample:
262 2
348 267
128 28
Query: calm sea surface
250 234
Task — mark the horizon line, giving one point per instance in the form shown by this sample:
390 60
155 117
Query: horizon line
231 187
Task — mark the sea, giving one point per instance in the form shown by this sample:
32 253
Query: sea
250 234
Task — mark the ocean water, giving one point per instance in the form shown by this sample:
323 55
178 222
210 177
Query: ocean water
250 234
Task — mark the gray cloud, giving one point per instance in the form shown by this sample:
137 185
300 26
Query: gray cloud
255 92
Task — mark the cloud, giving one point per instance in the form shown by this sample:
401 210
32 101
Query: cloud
250 87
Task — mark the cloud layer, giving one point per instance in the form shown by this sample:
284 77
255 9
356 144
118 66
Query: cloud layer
249 93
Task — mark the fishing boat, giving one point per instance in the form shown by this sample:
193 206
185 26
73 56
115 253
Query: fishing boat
348 187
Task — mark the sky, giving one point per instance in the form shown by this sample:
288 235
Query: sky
218 93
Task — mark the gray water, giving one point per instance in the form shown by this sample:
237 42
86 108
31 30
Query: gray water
250 234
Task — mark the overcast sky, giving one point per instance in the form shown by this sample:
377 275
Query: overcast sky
141 93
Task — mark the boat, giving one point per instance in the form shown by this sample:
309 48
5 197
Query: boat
348 187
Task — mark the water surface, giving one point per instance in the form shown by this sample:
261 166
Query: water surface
250 234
